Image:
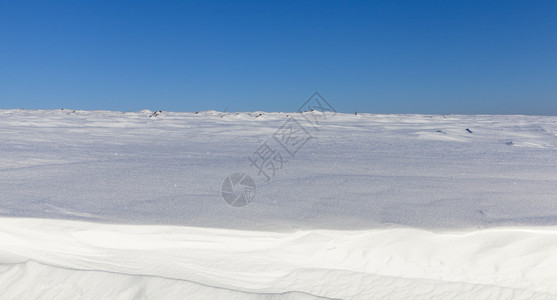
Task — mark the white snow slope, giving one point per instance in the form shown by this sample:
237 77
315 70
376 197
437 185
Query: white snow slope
113 205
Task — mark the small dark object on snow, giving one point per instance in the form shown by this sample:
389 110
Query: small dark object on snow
510 143
469 131
158 112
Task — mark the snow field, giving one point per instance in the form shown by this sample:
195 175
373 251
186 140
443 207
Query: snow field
114 205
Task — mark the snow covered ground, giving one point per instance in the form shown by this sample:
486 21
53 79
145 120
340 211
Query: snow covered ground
98 204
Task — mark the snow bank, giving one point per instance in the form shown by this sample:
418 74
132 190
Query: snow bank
69 259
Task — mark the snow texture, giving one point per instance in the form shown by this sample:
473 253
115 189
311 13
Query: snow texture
128 205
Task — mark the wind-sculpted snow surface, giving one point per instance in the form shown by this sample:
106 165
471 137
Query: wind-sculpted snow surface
60 259
99 204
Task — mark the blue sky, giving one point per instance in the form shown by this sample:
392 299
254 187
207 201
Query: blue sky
470 57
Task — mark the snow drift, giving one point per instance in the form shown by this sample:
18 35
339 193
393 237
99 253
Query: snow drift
62 259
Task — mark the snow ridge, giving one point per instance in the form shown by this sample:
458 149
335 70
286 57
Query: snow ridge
370 264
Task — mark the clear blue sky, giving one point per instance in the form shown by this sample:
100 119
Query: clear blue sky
488 57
